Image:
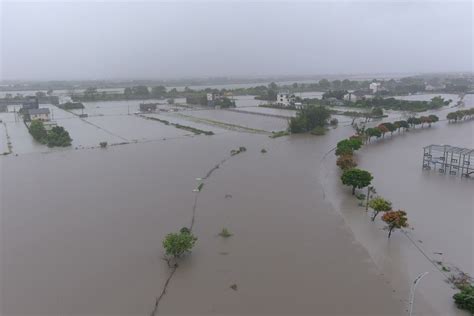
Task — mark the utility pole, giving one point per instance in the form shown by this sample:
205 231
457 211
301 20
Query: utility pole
412 291
369 190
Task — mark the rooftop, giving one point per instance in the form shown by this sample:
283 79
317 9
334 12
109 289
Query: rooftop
451 149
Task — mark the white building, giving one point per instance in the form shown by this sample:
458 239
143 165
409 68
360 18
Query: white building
285 99
374 87
41 114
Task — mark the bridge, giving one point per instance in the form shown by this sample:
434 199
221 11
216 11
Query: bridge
449 159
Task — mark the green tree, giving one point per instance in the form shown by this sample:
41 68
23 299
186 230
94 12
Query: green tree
383 129
127 92
433 118
40 94
373 131
356 178
348 146
309 117
90 93
58 137
49 92
324 84
38 131
395 220
376 112
140 91
273 86
346 162
177 244
391 127
379 204
465 298
158 91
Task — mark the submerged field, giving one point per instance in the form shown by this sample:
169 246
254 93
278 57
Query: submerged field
87 236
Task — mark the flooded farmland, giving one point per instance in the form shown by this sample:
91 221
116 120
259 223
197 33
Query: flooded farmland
89 239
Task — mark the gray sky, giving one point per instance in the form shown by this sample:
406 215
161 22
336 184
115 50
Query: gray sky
112 39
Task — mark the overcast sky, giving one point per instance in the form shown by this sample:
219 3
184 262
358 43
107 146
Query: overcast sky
119 40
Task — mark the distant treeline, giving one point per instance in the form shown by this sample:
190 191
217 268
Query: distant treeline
269 92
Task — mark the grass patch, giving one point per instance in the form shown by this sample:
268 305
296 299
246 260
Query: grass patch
222 124
183 127
225 233
318 130
279 134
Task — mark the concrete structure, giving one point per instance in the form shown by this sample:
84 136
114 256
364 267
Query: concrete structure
354 96
39 114
374 87
285 99
449 159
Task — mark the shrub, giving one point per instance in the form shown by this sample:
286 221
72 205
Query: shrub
465 298
346 162
379 204
318 130
395 220
356 178
58 137
334 122
38 131
103 144
225 233
177 244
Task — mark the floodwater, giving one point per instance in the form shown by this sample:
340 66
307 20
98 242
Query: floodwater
251 121
440 211
86 238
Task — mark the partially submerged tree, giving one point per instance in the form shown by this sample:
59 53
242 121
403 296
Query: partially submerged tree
379 204
38 131
348 146
356 178
395 220
346 162
465 298
373 131
177 244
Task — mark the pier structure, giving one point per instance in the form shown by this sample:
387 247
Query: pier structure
449 159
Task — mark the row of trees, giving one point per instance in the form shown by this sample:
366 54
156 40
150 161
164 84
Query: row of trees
391 127
56 137
402 105
460 115
358 179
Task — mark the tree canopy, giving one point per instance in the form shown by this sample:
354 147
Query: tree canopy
309 117
395 220
177 244
356 178
379 204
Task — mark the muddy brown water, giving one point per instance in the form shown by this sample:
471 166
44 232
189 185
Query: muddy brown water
82 230
440 211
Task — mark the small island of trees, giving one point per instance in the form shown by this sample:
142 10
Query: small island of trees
56 137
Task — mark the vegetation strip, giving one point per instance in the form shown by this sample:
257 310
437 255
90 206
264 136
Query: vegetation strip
178 244
396 219
184 127
222 124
